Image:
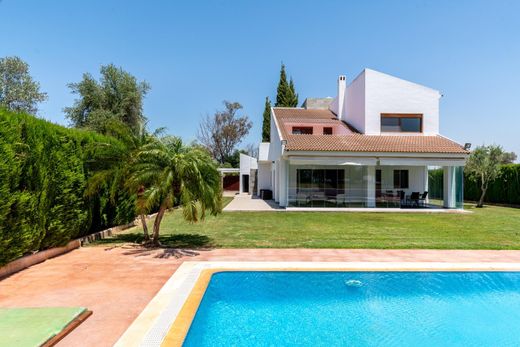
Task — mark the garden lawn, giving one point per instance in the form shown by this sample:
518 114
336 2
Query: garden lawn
486 228
30 327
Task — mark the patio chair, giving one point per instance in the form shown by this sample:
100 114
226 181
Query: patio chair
414 198
396 198
422 198
390 198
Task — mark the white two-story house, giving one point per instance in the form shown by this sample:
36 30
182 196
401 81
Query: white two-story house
370 146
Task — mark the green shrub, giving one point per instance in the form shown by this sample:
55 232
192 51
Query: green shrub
44 169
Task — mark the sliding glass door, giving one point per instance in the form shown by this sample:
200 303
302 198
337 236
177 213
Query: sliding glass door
327 186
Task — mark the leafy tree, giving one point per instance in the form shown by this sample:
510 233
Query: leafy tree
266 124
483 167
223 131
18 91
117 96
177 175
233 160
285 93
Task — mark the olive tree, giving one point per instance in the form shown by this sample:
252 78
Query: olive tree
18 91
483 167
116 96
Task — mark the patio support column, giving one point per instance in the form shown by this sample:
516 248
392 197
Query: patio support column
283 178
276 181
449 191
371 186
426 183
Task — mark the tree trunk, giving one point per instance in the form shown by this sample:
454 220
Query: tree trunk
480 202
483 188
157 225
145 228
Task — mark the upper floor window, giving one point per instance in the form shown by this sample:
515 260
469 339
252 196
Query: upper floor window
404 123
327 131
302 130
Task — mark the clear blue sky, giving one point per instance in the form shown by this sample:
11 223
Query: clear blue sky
196 54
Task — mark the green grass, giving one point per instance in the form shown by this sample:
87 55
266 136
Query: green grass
487 228
34 326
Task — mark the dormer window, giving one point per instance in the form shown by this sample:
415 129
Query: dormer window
302 130
401 123
327 131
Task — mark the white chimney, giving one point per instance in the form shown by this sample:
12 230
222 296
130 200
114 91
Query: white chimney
342 87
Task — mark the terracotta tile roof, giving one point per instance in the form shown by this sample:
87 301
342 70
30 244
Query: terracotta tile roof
375 143
301 115
355 142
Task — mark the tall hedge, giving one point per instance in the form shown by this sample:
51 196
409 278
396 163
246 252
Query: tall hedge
504 190
44 170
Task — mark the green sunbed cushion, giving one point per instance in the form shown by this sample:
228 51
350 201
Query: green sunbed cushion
32 327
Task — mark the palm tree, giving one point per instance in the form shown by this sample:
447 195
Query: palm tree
112 165
177 175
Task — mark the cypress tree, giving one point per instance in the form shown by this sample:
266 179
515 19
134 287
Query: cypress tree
285 93
266 125
292 95
282 90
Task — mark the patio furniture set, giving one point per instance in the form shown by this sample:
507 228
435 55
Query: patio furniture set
399 198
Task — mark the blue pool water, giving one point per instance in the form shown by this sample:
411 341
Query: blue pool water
359 309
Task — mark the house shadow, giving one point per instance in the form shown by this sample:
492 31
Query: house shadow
175 245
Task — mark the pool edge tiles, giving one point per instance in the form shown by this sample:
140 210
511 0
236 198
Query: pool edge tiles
153 326
180 327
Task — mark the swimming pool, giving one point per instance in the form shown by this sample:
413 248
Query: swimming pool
338 308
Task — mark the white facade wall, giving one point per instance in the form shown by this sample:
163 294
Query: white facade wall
247 164
388 94
373 93
355 103
417 178
275 153
264 176
275 145
265 167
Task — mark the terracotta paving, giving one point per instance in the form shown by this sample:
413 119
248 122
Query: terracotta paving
117 283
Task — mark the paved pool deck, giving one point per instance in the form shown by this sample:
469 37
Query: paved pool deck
246 202
117 283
